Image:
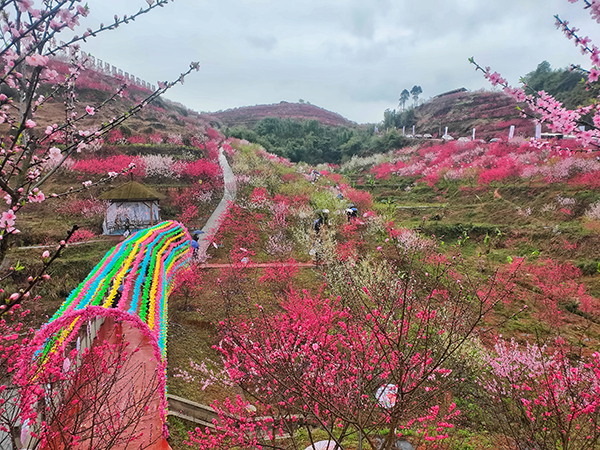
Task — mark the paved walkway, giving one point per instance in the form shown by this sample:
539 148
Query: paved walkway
113 239
214 221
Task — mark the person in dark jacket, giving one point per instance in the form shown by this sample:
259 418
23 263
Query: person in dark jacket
351 212
322 220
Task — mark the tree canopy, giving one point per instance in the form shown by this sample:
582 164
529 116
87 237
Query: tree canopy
314 143
415 92
404 96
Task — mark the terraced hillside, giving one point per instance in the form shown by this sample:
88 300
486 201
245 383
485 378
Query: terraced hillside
491 113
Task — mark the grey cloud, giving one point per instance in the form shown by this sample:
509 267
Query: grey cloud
267 43
351 56
363 22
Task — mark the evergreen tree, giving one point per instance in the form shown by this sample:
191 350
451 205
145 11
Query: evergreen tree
314 143
404 96
415 92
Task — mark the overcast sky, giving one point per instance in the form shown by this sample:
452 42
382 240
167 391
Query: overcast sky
353 57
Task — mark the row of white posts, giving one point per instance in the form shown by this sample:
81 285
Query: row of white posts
511 131
107 68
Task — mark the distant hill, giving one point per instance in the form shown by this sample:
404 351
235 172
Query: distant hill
491 113
250 115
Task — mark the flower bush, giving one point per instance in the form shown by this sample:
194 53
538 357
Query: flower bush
87 208
155 138
136 139
97 166
593 212
174 139
487 163
82 235
201 169
540 398
159 166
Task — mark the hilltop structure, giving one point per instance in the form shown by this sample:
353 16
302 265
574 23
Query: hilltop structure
454 91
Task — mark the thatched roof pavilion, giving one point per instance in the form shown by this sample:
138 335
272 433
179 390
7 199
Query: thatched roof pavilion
133 207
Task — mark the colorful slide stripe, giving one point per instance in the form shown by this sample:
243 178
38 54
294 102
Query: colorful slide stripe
136 277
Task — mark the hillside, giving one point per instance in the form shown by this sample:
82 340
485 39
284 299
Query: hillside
250 115
491 113
93 87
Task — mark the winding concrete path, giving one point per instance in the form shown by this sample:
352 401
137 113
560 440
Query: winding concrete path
214 221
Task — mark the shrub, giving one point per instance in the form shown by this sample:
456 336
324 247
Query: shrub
174 139
259 197
361 199
200 169
81 235
159 166
593 213
87 208
155 138
116 163
116 136
137 139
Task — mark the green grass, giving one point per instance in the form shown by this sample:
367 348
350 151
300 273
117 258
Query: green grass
521 219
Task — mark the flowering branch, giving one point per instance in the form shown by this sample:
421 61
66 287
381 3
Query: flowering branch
88 184
18 297
550 111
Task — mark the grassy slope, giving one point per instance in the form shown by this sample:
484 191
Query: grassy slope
452 212
93 88
446 211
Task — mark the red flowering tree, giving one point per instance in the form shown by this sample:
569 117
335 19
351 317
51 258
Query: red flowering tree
540 398
382 356
280 275
188 285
